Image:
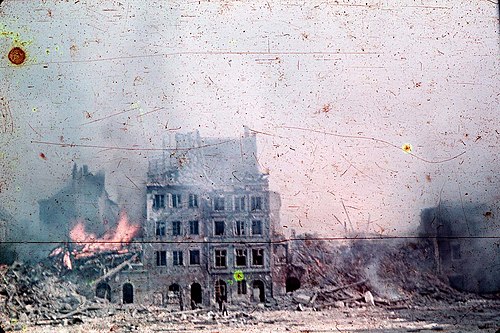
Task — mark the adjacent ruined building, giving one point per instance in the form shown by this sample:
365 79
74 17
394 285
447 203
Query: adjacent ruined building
466 244
209 214
84 199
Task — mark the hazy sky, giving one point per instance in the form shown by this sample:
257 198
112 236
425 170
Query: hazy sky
335 89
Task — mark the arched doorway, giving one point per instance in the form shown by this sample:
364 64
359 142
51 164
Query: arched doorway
292 284
174 287
103 290
220 290
175 296
196 293
128 293
259 291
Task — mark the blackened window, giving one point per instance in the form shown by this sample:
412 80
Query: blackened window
241 257
194 257
256 203
160 228
240 228
176 200
193 201
194 228
242 287
257 257
161 258
219 203
178 260
220 258
256 227
159 201
219 228
239 203
176 228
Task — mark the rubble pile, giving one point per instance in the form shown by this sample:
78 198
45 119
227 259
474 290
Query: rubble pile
365 272
35 293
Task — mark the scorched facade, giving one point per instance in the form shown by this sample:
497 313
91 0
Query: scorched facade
208 217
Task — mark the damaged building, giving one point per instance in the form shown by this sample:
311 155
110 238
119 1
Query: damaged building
210 221
84 199
466 244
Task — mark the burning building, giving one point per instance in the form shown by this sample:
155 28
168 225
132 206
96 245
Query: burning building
210 218
83 200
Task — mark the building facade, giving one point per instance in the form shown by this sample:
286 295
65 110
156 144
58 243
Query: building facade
209 226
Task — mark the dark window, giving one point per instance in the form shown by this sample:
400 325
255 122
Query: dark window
241 257
256 227
219 228
194 257
176 228
242 287
240 228
239 203
161 258
160 228
176 200
194 228
219 203
257 257
220 258
159 201
256 203
193 200
177 255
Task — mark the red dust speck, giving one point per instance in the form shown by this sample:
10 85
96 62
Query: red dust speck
17 55
326 108
42 156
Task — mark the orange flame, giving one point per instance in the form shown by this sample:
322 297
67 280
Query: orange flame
112 240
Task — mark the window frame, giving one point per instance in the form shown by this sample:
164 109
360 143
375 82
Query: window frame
176 231
256 203
220 256
199 257
262 255
220 222
242 231
191 224
161 201
161 261
217 200
193 200
261 230
160 228
236 257
176 200
239 203
177 258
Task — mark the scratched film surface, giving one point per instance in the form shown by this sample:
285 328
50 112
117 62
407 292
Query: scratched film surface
373 119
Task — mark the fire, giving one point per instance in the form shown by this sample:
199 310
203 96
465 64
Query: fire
86 244
113 240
